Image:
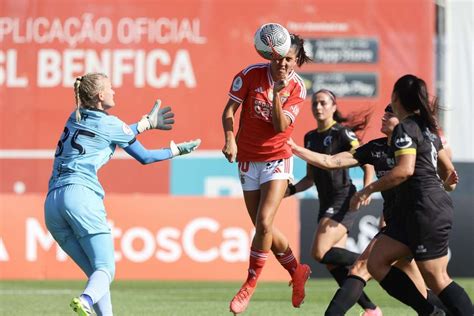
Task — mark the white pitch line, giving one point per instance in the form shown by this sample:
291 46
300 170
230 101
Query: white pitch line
36 292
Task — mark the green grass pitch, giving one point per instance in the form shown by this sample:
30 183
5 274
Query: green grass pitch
187 298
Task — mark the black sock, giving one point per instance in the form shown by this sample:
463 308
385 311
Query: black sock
456 300
401 287
339 257
340 274
434 300
346 296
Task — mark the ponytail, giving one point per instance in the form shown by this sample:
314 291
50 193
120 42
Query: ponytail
413 95
298 43
77 83
86 91
356 121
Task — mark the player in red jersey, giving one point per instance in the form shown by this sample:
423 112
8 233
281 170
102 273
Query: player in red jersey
270 95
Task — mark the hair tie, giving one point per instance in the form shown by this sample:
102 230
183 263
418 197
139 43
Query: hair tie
328 92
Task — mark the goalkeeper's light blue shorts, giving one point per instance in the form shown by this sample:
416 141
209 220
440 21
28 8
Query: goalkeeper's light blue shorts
74 210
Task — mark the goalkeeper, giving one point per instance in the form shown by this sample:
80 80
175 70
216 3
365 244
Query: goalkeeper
74 209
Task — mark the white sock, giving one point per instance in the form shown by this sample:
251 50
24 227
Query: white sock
98 285
104 306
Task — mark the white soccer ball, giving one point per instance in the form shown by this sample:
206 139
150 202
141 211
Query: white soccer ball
272 35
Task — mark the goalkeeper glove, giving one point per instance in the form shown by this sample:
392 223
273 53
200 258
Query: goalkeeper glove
156 119
184 148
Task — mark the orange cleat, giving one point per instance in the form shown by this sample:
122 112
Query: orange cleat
298 280
241 300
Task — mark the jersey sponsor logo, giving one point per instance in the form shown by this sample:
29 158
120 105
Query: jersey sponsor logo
259 90
390 162
327 141
126 129
377 154
403 142
237 84
351 134
262 110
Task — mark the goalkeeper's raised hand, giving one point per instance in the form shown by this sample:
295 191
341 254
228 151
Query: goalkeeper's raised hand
184 148
156 119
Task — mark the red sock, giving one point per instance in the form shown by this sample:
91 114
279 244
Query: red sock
257 261
287 260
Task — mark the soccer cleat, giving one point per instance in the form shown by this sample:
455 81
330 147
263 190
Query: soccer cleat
80 307
372 312
298 280
241 300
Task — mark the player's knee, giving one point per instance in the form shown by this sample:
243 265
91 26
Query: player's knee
435 279
360 269
372 266
318 254
264 226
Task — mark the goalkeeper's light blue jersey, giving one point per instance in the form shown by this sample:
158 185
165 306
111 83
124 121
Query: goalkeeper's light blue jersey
86 146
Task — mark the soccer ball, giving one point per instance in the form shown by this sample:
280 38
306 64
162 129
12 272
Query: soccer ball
272 40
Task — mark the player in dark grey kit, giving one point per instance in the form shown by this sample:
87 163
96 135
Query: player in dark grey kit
378 153
422 217
335 189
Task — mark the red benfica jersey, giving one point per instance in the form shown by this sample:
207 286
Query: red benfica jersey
256 138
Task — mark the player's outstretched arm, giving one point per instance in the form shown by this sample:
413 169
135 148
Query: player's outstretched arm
145 156
184 148
340 160
158 118
404 169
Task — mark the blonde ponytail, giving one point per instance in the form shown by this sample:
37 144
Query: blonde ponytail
86 91
77 83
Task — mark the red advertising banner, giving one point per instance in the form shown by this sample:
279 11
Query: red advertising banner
186 53
156 237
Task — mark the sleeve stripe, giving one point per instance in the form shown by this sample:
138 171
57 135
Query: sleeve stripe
233 97
259 65
290 115
406 151
300 82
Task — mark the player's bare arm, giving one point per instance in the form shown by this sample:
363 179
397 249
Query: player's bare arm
280 121
305 183
230 146
338 161
400 173
446 171
369 173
